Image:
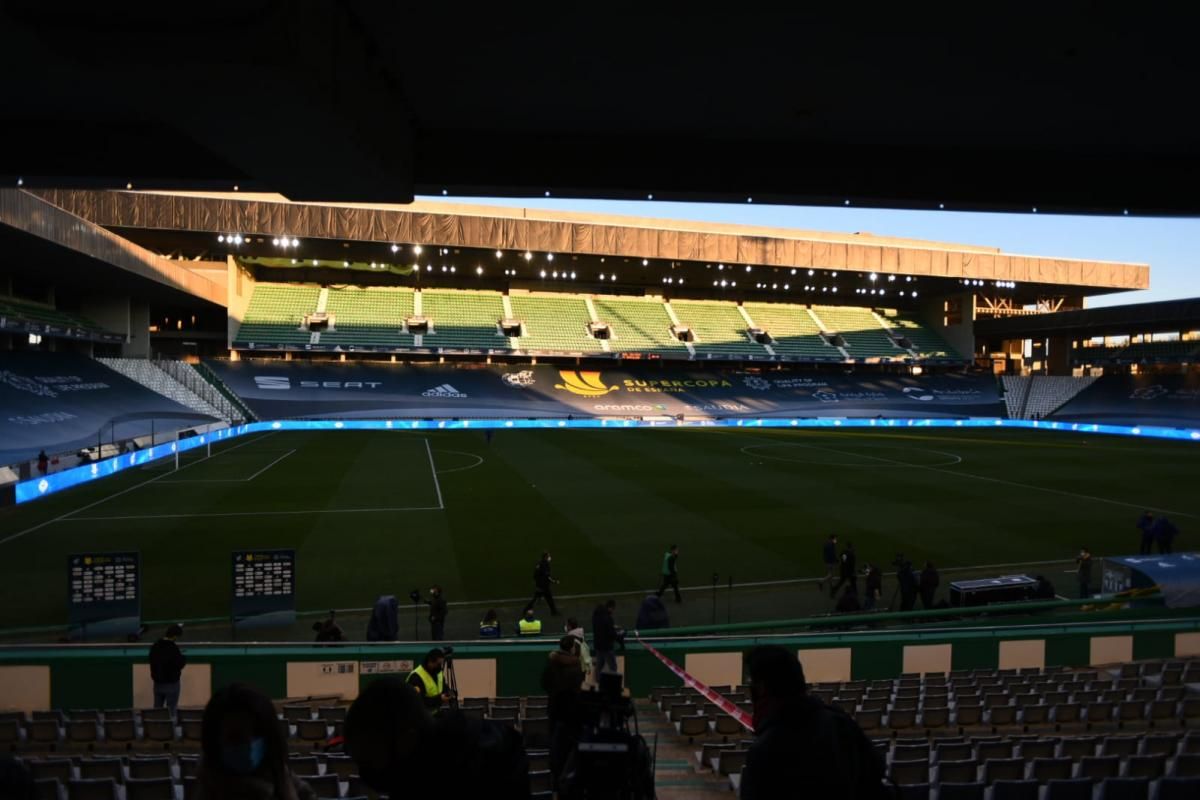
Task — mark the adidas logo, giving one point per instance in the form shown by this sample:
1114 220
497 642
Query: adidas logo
445 390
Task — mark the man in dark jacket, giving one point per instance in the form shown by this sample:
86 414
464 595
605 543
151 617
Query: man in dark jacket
542 582
830 560
437 614
1145 526
909 585
1164 533
166 667
605 636
802 747
403 751
928 584
874 588
561 679
670 575
848 570
1083 570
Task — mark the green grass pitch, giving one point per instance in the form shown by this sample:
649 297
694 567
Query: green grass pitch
373 513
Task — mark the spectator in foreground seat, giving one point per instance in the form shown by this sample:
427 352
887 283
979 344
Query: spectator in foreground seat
244 751
802 747
402 751
166 668
561 679
573 628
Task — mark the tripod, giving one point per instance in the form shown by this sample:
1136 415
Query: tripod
450 680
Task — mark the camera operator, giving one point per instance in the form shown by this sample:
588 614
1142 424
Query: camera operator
429 680
437 613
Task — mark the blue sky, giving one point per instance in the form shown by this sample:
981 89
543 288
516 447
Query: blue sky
1170 246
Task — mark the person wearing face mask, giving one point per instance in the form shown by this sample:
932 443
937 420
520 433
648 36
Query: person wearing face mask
429 680
243 750
801 745
401 750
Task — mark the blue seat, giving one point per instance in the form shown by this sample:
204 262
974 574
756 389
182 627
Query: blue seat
1125 789
1073 789
960 791
1178 789
1015 790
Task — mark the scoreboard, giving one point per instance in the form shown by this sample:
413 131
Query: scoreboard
264 588
104 594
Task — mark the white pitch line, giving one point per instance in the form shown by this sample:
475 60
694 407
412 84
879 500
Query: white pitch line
69 515
268 466
478 462
1033 486
956 459
433 472
256 513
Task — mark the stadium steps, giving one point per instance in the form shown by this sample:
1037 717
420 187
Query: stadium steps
554 323
194 381
207 374
157 380
926 342
463 320
369 317
675 774
641 325
720 328
1016 391
1049 393
793 330
861 331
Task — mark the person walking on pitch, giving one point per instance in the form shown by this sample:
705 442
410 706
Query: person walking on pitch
670 576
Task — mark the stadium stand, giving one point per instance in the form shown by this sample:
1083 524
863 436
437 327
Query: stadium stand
1048 393
792 329
463 320
719 328
1168 400
554 323
155 378
45 315
369 317
276 314
926 343
59 402
1178 351
1016 391
638 325
865 337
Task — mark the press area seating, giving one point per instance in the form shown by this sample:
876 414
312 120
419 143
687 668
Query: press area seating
150 754
1127 731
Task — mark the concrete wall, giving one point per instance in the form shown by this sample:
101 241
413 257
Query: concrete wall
241 286
961 336
138 344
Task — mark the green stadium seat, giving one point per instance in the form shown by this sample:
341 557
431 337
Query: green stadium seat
554 323
463 320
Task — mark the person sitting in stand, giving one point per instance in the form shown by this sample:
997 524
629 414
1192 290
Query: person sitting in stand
489 628
529 625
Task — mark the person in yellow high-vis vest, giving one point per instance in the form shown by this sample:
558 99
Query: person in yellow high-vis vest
429 681
529 625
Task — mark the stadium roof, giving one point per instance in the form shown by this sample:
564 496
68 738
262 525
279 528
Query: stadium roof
1167 315
1072 109
197 225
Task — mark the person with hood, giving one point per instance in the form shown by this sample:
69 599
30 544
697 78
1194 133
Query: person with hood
384 624
801 746
401 750
605 635
561 679
652 614
244 750
573 628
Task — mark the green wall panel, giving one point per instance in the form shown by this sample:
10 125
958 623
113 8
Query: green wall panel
975 654
91 683
1074 650
1153 644
267 673
876 660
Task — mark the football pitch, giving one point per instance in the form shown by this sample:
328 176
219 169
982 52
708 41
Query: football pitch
373 513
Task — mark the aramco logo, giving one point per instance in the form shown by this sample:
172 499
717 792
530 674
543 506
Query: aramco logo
585 383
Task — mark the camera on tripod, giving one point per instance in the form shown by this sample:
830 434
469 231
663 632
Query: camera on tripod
610 759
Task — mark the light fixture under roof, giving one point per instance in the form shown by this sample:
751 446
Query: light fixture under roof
528 256
417 249
395 248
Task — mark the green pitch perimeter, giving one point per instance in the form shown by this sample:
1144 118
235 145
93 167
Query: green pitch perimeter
373 513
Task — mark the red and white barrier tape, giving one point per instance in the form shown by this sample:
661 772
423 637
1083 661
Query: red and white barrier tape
716 699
